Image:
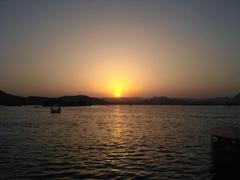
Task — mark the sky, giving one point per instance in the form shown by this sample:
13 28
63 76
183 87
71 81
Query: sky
105 48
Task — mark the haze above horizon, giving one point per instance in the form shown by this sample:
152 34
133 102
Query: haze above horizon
138 48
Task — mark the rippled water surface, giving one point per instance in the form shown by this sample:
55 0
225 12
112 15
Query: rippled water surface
102 142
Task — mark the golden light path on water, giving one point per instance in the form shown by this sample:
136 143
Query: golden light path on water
104 142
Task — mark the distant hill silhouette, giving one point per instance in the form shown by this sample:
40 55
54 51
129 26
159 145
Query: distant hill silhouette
81 100
237 96
236 99
163 100
124 100
9 100
182 101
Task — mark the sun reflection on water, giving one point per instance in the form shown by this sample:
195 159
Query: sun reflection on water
118 128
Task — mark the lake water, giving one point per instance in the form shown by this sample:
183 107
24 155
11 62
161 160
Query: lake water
103 142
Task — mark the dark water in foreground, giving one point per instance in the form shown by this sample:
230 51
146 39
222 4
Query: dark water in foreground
102 142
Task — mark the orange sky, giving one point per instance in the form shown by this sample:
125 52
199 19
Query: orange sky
104 48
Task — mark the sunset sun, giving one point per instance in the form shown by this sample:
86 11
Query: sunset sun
117 94
117 87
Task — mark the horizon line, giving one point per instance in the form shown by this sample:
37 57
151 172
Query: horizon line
124 97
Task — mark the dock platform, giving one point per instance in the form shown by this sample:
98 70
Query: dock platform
225 136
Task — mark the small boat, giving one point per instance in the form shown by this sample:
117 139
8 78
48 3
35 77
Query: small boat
56 109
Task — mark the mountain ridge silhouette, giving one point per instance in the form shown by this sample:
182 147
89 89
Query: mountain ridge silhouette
83 100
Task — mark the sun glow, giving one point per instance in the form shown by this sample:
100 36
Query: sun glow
117 94
118 89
